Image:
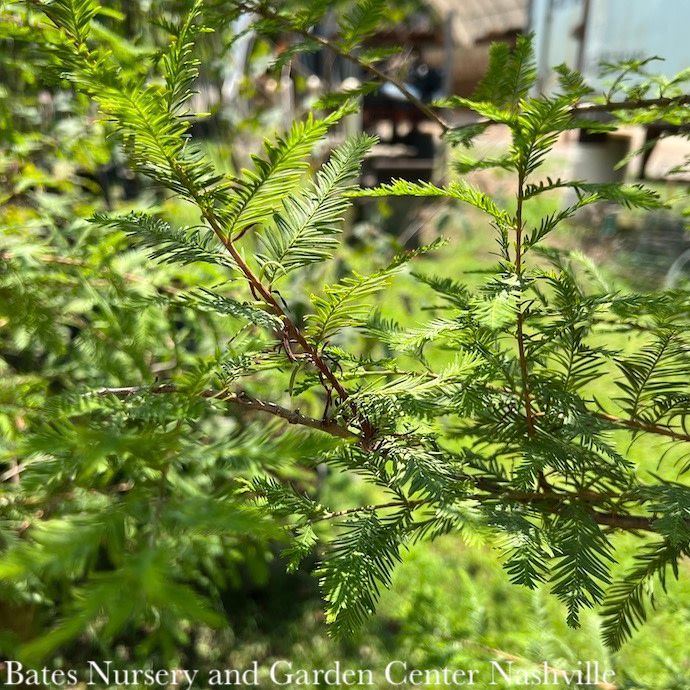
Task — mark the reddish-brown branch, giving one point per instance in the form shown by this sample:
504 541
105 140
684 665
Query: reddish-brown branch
257 288
267 296
642 426
659 429
242 400
624 521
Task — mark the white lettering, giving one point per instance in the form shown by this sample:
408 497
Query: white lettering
14 673
104 677
608 676
283 679
234 676
496 666
388 672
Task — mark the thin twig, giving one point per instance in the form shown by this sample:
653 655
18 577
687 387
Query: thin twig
350 57
258 289
336 514
634 104
584 109
643 426
271 301
242 400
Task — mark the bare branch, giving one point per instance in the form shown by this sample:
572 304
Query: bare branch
266 12
242 400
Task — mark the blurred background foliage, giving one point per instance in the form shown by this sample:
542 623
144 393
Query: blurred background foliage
81 308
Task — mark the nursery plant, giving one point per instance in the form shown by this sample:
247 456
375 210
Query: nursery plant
489 418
